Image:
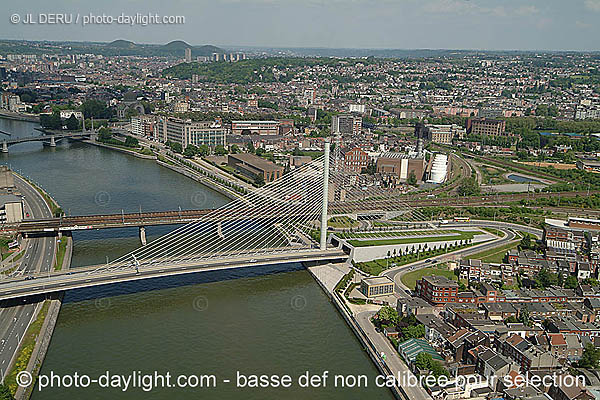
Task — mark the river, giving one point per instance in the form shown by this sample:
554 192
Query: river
205 324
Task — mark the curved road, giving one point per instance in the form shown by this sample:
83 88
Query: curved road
396 273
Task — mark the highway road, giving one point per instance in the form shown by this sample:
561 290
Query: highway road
38 259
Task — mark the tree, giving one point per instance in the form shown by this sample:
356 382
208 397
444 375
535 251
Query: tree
524 316
370 169
438 370
190 151
413 332
571 282
176 147
72 123
51 121
412 178
220 150
525 242
423 360
545 279
104 134
469 187
96 109
130 141
590 358
250 147
203 150
388 314
234 149
5 393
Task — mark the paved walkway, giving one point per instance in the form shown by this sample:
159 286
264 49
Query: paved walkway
361 315
330 274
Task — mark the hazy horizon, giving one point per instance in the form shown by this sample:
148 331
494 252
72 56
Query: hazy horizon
494 25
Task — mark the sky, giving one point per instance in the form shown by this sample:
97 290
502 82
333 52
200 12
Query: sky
396 24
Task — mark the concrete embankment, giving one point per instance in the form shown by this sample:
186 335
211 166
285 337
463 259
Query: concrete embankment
321 277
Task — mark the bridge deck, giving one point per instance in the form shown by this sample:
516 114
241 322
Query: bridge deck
81 278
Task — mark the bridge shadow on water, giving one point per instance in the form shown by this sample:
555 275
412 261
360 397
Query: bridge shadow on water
168 282
159 283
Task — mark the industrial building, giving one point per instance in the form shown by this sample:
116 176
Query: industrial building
438 169
253 166
401 165
486 127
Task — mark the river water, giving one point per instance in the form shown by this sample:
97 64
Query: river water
272 321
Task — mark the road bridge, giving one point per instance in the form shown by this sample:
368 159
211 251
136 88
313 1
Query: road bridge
42 284
47 137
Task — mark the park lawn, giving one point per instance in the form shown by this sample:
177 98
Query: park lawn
342 222
60 253
378 234
495 255
410 279
494 231
375 267
425 239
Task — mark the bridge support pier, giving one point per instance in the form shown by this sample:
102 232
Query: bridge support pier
52 141
323 244
4 147
143 235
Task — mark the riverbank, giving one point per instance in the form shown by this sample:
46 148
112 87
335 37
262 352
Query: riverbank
200 179
19 116
119 149
327 277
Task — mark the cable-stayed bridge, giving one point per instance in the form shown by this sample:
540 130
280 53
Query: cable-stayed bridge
284 221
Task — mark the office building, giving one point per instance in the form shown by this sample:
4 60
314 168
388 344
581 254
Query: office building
357 108
377 286
346 124
437 289
144 125
188 55
443 134
186 132
254 127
